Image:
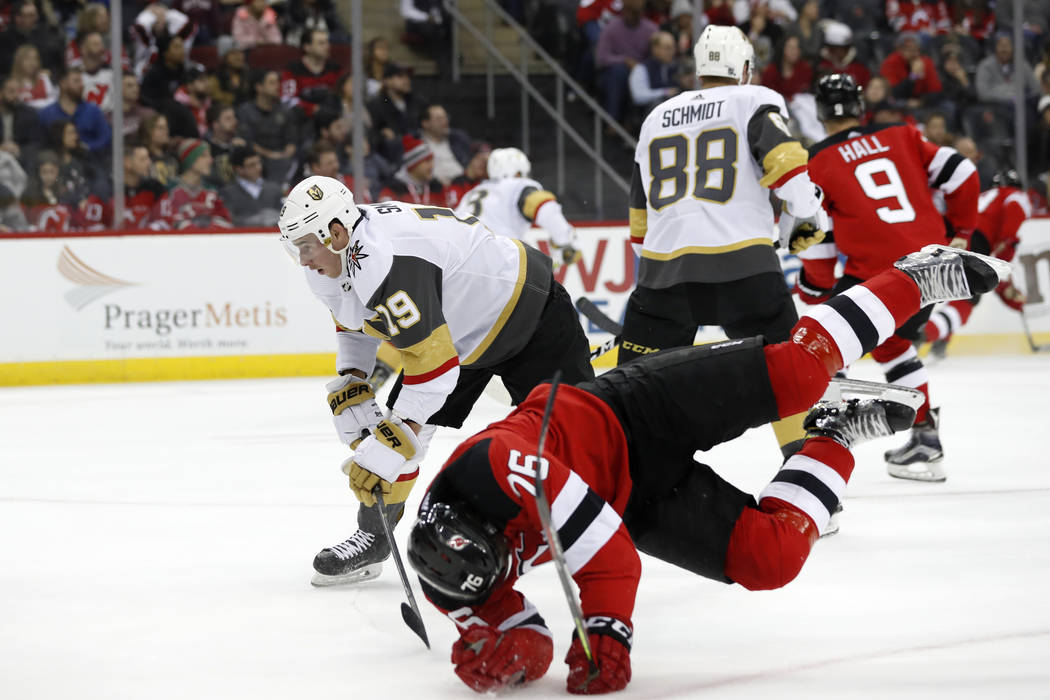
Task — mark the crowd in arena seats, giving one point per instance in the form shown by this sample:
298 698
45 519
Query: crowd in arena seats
226 103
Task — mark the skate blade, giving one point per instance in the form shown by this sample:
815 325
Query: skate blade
358 576
1002 268
918 471
837 388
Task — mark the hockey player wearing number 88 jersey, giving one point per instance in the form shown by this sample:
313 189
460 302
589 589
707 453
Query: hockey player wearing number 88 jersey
620 475
877 184
508 202
700 214
461 304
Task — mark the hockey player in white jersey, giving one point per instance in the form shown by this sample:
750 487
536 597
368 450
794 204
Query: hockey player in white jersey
460 303
508 202
700 214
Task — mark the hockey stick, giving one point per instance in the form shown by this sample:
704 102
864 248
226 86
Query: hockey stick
596 316
1036 347
410 615
557 555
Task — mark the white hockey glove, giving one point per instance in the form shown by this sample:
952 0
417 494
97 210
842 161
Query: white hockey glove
380 458
354 408
800 232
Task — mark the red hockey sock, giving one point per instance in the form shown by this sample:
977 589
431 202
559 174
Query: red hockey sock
798 373
901 365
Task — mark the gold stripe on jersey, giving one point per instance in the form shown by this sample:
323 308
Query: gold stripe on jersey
532 202
706 250
430 353
639 220
781 160
507 309
390 355
375 327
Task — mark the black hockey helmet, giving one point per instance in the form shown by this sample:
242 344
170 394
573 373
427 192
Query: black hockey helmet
1006 178
456 552
839 97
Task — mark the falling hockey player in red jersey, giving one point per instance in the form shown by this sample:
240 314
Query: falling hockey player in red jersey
620 475
877 184
1001 211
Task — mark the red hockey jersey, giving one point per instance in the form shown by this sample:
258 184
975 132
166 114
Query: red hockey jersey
198 208
303 88
1002 210
877 181
588 485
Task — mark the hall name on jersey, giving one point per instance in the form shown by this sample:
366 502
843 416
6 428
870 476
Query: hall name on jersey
864 146
691 113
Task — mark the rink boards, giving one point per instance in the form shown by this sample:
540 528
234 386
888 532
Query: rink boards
104 307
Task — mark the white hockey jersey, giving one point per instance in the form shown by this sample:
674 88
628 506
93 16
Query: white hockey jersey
509 207
704 165
443 290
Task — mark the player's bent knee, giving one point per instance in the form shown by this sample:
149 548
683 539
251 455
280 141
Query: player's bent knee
767 549
798 379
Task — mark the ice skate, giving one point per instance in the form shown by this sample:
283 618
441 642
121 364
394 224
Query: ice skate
919 459
946 274
854 421
833 523
359 558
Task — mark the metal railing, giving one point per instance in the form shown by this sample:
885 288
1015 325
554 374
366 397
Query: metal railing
563 81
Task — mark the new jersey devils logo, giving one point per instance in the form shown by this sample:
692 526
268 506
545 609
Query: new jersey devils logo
458 542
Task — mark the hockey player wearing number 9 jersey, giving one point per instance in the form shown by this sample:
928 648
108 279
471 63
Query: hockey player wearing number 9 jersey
877 183
700 212
621 475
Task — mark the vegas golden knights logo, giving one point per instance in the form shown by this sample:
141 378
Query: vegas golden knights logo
315 193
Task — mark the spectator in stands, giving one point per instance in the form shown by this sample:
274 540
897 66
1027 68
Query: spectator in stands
995 79
450 147
912 75
269 128
98 76
1040 165
93 17
153 29
681 27
920 17
935 129
134 111
89 121
623 43
78 176
788 74
957 89
154 135
414 181
839 55
304 15
193 203
206 15
168 72
807 29
308 81
426 25
334 130
27 28
1035 20
473 174
322 159
222 137
144 197
1043 67
377 56
12 181
341 101
394 110
42 190
194 99
35 87
889 112
656 78
252 200
233 85
255 23
19 127
986 167
761 31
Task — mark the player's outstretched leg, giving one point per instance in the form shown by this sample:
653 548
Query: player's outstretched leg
946 274
359 558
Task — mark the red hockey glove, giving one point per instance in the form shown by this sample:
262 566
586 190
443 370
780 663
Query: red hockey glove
1011 295
810 293
487 660
610 641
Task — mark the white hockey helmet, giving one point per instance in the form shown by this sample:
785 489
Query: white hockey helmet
310 207
724 52
508 162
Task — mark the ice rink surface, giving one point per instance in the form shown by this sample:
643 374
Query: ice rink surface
156 541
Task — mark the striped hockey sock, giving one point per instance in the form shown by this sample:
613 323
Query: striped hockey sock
947 318
812 481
